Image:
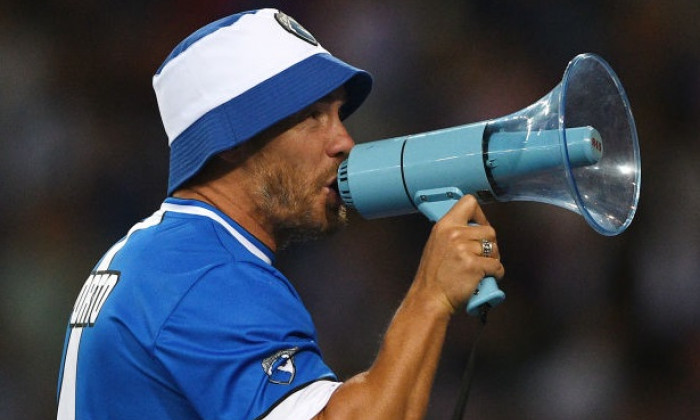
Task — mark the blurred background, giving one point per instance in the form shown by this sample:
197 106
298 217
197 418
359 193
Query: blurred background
593 327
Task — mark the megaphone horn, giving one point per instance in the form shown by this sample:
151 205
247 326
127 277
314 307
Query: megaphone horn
576 148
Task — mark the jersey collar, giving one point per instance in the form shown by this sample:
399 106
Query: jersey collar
198 208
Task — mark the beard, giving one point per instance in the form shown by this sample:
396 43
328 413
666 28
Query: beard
288 200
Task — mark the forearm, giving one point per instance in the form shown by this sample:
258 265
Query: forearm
398 384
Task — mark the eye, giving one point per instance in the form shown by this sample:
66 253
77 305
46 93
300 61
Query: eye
319 113
316 114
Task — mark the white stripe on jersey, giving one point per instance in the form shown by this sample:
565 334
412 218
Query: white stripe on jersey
66 399
304 403
199 211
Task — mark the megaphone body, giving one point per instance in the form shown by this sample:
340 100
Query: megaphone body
575 148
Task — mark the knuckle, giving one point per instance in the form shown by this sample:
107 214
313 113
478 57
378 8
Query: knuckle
463 249
449 231
500 271
490 231
456 235
470 199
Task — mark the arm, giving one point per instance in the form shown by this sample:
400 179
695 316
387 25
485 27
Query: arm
397 385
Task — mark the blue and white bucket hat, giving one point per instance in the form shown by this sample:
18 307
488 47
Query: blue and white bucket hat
237 76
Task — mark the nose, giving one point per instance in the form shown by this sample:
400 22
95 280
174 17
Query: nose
341 143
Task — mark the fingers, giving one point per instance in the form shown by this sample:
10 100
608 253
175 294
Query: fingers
494 268
467 213
468 217
468 241
455 257
475 236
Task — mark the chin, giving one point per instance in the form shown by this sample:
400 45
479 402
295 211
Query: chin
313 225
336 218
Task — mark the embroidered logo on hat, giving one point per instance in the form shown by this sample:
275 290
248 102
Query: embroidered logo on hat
293 27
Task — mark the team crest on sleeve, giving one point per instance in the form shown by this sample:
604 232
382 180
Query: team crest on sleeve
279 367
293 27
92 297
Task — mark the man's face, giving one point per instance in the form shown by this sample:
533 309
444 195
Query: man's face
295 173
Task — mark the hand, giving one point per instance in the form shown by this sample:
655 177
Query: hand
452 264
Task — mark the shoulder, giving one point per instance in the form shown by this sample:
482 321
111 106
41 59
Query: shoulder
247 289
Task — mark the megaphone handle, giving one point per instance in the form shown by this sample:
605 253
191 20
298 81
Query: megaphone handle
486 293
434 204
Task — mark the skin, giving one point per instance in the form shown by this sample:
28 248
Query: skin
280 187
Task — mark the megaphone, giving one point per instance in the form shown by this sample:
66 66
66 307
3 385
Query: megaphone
576 148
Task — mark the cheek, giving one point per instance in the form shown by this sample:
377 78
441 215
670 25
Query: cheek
295 187
295 184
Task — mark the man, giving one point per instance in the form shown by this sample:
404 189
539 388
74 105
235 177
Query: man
186 317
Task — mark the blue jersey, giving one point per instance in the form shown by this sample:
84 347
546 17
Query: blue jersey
186 318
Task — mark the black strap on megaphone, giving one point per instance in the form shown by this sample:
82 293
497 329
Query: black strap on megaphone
469 369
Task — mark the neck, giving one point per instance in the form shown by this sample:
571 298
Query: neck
235 205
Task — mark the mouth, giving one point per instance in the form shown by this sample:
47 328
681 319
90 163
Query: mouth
334 186
334 192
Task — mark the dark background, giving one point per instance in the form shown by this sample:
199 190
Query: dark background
593 327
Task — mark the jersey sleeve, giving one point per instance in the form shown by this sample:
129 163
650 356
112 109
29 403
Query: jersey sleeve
304 403
240 343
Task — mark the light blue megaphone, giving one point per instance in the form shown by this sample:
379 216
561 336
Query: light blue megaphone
575 148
